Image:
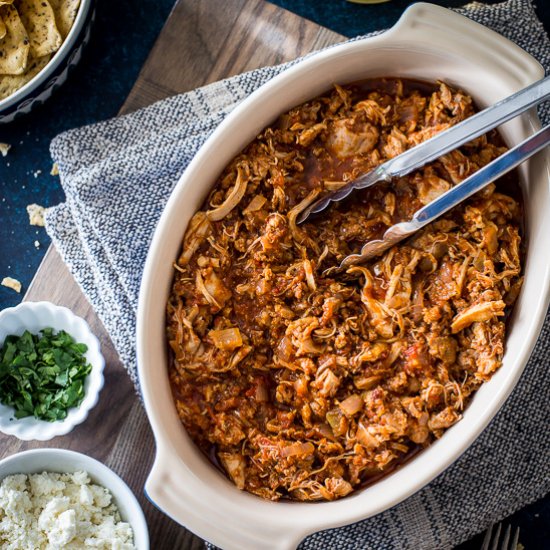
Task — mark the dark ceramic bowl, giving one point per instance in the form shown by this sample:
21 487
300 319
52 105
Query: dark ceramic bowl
55 73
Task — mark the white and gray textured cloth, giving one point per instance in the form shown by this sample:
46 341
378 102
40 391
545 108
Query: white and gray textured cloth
117 176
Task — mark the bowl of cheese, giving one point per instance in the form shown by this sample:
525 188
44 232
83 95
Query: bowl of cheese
56 498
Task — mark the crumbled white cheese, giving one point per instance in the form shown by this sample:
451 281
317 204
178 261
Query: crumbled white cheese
51 511
12 283
4 148
86 497
36 214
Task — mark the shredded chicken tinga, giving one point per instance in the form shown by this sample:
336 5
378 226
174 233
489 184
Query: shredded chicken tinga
309 386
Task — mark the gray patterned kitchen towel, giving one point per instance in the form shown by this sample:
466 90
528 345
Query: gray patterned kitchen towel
117 176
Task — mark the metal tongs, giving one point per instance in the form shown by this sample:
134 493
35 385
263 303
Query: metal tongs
434 148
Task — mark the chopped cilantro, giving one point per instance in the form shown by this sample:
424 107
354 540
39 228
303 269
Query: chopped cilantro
42 375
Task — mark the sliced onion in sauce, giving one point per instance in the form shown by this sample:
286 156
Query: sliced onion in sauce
298 448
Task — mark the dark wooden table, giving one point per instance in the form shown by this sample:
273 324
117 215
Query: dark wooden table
202 41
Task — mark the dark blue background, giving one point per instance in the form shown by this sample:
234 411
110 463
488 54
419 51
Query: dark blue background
124 32
123 35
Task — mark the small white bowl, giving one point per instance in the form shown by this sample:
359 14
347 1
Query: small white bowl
64 461
35 316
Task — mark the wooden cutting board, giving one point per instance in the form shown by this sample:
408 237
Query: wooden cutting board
202 41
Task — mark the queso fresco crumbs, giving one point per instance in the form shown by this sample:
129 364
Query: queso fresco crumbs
50 511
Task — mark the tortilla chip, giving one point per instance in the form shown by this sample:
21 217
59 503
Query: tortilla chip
14 47
65 14
10 84
3 29
39 20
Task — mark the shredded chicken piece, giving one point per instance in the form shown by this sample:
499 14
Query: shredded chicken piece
232 199
197 232
234 464
476 313
299 235
349 137
308 386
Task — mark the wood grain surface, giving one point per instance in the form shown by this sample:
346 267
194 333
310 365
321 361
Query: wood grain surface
201 42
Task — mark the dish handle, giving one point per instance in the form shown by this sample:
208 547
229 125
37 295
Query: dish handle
424 24
202 506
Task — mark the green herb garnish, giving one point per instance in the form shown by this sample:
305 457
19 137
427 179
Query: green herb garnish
42 375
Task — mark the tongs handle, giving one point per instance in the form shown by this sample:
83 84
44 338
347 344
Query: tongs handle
469 129
442 143
471 185
477 181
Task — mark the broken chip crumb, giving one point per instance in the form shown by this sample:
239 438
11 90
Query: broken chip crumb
36 214
12 283
55 170
4 148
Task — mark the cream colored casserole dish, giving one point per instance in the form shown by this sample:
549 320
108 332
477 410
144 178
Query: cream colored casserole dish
428 43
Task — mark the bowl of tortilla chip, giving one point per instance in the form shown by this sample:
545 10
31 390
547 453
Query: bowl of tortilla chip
40 41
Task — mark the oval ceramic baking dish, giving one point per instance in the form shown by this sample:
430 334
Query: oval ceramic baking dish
428 43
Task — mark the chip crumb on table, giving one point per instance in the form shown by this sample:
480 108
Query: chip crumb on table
12 283
36 214
4 148
55 170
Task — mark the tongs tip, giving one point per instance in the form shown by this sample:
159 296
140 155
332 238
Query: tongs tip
322 203
314 208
